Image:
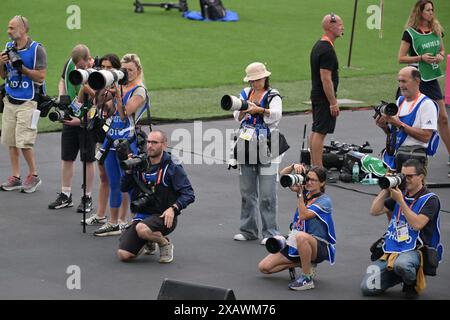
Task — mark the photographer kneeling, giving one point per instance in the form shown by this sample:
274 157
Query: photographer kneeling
414 224
312 238
167 191
412 133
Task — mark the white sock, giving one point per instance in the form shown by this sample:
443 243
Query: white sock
66 190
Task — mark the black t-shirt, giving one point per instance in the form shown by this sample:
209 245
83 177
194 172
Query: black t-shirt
429 209
323 56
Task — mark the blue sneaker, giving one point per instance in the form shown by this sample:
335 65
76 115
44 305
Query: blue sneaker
302 283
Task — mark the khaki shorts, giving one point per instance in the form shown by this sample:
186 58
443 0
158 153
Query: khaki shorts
16 122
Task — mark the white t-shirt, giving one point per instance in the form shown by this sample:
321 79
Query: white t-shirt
426 118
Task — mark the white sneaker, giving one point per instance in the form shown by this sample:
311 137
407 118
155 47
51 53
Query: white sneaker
263 241
166 253
94 220
240 237
123 225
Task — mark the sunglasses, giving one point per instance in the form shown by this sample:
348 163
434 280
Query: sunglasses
23 21
410 175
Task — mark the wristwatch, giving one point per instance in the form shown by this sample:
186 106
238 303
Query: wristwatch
175 209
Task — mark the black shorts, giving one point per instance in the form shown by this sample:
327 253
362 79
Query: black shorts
322 253
72 141
431 89
130 241
323 121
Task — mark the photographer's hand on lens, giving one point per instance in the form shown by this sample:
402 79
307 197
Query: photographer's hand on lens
298 168
4 58
396 194
394 120
253 109
168 216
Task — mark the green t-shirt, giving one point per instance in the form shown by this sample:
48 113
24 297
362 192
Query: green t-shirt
72 90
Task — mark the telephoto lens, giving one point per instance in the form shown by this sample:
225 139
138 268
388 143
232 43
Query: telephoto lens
389 109
275 244
388 182
290 180
232 103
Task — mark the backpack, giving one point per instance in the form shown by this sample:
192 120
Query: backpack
212 9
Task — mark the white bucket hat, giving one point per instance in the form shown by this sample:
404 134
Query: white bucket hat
256 71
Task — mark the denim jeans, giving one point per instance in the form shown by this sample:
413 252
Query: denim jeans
258 184
378 279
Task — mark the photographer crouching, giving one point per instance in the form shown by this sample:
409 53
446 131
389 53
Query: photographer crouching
412 245
161 189
412 132
312 238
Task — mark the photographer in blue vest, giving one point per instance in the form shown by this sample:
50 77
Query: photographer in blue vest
412 133
413 225
257 178
312 239
23 64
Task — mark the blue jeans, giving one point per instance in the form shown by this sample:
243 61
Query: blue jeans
258 184
378 279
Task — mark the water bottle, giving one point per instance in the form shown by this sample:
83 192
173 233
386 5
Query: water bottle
355 172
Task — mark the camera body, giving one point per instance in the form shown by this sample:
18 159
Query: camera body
143 203
385 108
139 163
290 180
388 182
232 103
102 79
61 110
14 57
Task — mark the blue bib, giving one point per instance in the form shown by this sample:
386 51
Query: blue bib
20 86
124 129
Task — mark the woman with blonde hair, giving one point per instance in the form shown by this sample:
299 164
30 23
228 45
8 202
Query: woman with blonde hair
129 104
422 47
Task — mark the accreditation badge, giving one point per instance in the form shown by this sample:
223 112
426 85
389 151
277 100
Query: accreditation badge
247 133
402 233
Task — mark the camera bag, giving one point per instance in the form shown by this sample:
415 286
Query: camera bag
212 9
430 260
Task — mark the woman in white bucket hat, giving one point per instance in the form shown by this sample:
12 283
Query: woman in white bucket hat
258 173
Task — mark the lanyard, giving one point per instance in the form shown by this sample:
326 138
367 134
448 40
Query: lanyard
412 105
302 222
260 101
400 211
326 38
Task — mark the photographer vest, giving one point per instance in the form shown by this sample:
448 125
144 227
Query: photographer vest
426 43
18 85
155 181
409 119
392 245
321 206
124 129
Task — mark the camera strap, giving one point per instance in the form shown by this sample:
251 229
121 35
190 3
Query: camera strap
143 186
391 139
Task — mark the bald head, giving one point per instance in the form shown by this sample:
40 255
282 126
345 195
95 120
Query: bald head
18 28
329 20
408 82
333 26
411 72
